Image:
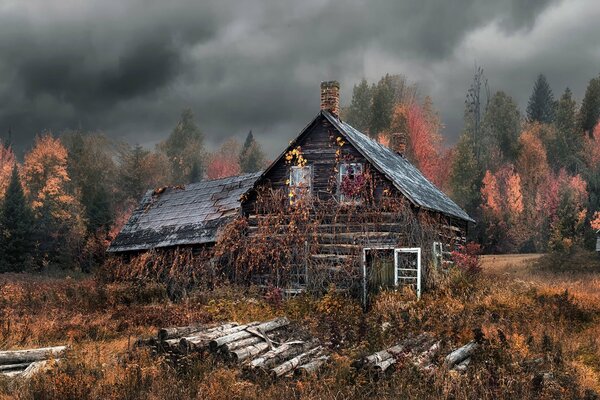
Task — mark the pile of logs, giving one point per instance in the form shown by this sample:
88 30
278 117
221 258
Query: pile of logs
261 348
25 363
419 351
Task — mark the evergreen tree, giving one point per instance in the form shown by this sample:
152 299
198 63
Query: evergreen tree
466 175
590 107
359 112
541 105
184 149
252 158
569 141
382 106
502 123
16 221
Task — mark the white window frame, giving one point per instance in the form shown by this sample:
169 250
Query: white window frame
340 177
397 251
294 188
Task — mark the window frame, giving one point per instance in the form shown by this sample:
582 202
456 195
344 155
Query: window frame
293 188
341 197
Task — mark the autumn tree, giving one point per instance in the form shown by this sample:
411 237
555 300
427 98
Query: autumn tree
541 105
7 162
567 226
225 161
59 226
16 227
589 114
184 149
252 157
382 106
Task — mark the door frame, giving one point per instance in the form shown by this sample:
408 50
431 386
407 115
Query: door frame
397 251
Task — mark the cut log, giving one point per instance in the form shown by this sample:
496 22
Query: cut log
311 367
281 354
201 340
246 333
11 367
181 331
460 354
424 359
381 366
290 365
31 355
462 366
36 367
250 351
229 347
379 356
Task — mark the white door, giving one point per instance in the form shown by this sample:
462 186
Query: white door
408 268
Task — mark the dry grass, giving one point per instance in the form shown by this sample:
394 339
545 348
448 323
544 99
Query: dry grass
521 307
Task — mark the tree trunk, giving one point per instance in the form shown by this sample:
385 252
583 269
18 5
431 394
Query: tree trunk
293 363
250 351
280 354
264 327
10 367
311 367
461 354
229 347
28 356
181 331
202 340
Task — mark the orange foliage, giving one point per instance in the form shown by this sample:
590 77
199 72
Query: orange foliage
45 177
595 222
533 161
424 141
7 161
225 162
591 148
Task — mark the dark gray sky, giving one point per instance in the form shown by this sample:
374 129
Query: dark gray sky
128 67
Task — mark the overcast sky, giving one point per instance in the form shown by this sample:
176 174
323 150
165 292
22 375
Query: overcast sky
128 67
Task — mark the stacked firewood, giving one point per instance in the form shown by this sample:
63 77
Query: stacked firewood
25 363
420 351
261 348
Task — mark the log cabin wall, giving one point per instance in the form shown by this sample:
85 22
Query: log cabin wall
336 247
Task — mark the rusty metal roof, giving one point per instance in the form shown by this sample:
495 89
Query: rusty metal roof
183 215
406 177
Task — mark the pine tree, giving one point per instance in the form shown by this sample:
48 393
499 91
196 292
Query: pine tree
502 123
359 112
252 157
382 106
569 141
184 149
466 175
16 220
590 107
541 106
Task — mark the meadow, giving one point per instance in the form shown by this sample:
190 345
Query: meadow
539 317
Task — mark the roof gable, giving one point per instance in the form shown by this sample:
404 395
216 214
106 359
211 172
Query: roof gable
183 216
398 170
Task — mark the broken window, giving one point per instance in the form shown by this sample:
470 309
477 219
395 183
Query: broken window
300 182
351 181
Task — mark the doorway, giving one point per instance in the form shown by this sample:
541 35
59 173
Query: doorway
389 267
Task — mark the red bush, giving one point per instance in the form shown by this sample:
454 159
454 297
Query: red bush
467 259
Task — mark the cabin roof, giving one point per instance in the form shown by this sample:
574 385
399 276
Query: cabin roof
183 215
405 176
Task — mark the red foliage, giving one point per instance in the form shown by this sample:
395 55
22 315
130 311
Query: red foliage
467 258
225 162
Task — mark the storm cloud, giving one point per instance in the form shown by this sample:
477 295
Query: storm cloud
128 67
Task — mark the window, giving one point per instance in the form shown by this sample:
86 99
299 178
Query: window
300 182
351 181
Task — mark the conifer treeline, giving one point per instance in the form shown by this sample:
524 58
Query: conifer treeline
531 180
65 201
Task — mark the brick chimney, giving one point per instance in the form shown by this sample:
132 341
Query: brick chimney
330 97
398 142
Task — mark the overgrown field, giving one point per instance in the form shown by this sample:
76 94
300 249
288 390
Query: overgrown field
537 317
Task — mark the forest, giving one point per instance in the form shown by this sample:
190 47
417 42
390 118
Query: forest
530 178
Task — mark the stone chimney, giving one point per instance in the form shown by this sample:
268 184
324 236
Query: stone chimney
398 142
330 97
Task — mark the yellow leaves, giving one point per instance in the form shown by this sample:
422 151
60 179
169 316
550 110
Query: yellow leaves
295 157
340 142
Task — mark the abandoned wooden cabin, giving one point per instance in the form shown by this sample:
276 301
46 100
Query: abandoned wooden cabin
335 207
